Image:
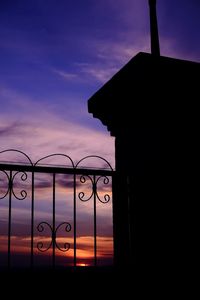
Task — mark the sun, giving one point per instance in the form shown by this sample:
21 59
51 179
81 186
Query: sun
82 265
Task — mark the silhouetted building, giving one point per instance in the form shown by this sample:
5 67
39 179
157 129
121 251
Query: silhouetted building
149 107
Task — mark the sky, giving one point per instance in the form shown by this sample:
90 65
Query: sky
55 54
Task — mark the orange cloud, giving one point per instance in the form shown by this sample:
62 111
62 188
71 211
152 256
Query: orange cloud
84 250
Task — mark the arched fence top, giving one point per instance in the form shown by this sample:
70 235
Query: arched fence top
103 160
55 155
102 163
17 152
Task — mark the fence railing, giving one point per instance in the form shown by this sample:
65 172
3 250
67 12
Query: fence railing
52 197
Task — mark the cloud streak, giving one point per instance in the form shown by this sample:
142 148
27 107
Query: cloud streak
39 131
65 75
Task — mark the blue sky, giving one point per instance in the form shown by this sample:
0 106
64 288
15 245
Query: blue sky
55 54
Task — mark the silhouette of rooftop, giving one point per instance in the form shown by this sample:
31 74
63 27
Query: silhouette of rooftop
144 86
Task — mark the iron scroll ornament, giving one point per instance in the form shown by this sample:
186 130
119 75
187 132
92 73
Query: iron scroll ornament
41 228
6 192
23 193
94 180
11 178
10 185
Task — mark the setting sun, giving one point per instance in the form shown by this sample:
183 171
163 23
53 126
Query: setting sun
82 265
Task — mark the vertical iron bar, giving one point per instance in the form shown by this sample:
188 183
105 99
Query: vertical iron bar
113 218
9 218
74 220
53 227
95 221
32 219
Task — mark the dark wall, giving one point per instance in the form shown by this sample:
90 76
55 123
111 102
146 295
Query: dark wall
138 196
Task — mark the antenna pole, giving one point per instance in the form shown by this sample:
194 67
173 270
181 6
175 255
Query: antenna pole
155 45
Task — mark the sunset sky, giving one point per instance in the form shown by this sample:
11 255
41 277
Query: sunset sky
55 54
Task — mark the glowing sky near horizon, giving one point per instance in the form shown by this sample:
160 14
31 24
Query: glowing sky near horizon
64 216
55 54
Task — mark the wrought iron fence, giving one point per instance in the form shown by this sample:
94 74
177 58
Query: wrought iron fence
22 181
